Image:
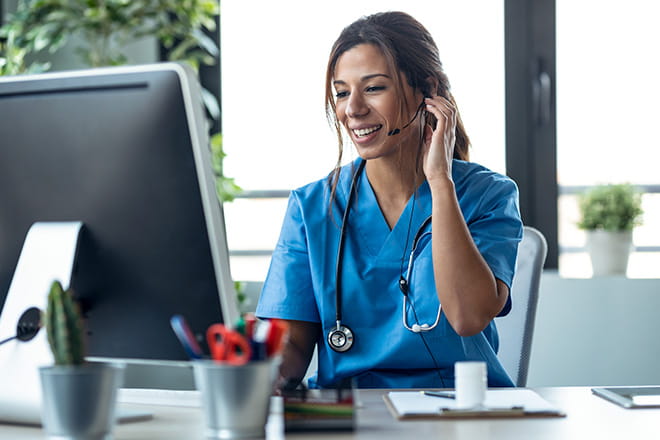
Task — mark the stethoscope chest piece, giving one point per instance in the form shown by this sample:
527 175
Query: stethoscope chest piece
340 338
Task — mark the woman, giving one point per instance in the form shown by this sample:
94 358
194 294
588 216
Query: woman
396 264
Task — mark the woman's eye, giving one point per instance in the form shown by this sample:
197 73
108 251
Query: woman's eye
375 88
339 95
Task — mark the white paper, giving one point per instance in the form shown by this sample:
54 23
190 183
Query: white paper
410 403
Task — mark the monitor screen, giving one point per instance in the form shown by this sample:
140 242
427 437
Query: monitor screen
124 151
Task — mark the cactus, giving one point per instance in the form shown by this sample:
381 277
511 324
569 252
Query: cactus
64 327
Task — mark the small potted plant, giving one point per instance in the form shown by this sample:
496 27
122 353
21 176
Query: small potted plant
78 397
608 215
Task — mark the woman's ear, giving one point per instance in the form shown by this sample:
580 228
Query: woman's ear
431 87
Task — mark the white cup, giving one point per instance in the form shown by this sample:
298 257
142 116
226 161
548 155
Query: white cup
471 380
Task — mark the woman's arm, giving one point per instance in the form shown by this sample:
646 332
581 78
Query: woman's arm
298 351
470 294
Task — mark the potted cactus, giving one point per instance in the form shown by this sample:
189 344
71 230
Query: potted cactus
78 397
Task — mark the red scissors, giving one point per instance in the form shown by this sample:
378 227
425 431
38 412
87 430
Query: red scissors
228 346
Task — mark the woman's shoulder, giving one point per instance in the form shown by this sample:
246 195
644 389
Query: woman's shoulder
474 176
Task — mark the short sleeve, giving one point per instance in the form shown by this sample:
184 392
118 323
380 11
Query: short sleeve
287 292
497 230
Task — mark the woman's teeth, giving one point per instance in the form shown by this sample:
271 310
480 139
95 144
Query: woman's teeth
366 131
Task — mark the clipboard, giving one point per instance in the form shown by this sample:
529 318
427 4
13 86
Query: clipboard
500 403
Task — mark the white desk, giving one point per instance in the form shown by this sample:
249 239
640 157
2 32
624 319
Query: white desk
588 417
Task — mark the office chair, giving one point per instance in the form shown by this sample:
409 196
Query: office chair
516 329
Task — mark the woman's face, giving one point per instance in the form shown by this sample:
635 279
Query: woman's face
367 102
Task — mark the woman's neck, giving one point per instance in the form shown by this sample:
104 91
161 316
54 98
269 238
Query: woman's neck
393 182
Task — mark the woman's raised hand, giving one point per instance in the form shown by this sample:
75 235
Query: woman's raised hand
439 143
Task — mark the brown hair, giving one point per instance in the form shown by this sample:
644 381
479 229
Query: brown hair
408 48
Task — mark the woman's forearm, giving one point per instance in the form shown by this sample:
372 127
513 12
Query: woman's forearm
468 291
298 351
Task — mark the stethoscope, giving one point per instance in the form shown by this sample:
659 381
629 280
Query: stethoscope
341 338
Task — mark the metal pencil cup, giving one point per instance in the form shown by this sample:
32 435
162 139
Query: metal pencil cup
235 399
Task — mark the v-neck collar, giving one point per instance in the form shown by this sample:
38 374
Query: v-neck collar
374 232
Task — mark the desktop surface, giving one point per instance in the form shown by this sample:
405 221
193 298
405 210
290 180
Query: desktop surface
587 416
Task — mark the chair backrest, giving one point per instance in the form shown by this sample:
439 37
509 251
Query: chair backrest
516 329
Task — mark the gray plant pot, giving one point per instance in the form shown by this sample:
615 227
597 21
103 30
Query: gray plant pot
78 402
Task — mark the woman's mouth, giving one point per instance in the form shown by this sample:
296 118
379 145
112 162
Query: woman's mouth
363 132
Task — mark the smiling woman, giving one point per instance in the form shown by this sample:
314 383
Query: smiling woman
273 118
411 174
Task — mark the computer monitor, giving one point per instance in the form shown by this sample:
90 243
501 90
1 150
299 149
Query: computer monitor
124 151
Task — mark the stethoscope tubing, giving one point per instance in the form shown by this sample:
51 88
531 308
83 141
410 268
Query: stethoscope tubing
340 249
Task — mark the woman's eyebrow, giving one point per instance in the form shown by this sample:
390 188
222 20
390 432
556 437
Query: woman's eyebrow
374 75
363 79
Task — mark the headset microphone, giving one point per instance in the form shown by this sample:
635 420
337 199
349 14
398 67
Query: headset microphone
398 130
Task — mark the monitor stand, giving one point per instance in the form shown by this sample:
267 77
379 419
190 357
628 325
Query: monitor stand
48 254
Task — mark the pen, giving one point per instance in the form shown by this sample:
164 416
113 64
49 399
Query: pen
240 326
481 411
444 394
186 336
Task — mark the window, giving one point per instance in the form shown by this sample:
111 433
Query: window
607 97
274 127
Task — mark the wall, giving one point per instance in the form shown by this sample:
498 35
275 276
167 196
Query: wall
600 331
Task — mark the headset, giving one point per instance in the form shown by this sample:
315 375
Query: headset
398 130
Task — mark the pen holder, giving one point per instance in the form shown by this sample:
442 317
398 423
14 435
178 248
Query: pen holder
235 399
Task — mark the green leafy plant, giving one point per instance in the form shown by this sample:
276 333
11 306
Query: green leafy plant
105 26
64 327
226 187
611 208
12 56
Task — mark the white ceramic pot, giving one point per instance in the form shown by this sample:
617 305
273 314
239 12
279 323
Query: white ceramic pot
609 251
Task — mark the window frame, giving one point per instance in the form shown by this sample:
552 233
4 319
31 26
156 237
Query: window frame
531 123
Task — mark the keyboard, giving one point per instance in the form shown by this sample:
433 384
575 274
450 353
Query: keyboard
149 396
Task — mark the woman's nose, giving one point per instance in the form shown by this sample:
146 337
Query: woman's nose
356 106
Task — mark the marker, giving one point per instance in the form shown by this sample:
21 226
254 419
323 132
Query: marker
259 338
276 335
250 323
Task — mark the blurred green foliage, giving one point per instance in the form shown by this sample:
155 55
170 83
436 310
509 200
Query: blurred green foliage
106 26
610 207
226 187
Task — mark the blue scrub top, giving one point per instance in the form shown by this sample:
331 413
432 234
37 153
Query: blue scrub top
301 280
